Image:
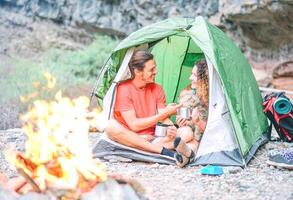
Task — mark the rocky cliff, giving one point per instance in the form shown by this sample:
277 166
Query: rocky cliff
261 28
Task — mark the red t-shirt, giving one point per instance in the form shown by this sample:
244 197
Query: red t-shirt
145 102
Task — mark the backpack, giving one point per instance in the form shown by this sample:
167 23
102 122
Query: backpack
283 123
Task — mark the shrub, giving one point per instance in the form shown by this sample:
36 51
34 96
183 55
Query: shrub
71 69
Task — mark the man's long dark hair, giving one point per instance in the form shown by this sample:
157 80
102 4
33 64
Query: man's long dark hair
138 59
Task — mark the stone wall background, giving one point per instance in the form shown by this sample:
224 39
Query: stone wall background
261 28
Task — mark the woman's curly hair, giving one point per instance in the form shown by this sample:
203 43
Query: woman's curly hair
203 81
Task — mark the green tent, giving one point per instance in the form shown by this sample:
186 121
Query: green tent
236 125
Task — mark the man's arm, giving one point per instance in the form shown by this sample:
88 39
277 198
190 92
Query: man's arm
167 120
137 124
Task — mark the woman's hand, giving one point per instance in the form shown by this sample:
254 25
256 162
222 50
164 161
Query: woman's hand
171 132
195 116
199 123
181 121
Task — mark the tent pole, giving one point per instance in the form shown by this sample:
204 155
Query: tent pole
98 79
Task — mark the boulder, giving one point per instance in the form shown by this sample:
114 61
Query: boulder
111 189
284 70
284 83
5 194
34 196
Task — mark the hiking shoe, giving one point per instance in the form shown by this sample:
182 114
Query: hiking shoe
284 160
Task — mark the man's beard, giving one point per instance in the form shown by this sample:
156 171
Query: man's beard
146 80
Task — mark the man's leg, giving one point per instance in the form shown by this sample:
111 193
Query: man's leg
120 134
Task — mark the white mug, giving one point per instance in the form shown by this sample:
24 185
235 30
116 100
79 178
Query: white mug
161 129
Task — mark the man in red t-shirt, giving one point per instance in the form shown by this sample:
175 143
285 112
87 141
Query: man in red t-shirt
140 104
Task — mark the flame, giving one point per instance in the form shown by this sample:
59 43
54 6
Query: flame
58 153
97 115
28 97
51 81
40 88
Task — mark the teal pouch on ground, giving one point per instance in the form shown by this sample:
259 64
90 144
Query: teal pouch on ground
213 170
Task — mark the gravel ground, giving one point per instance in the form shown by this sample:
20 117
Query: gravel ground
257 181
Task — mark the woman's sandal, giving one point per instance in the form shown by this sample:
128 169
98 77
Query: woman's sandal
184 155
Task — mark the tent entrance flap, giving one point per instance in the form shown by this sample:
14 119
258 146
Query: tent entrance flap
169 54
193 54
175 56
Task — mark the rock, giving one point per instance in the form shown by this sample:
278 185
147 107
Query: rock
155 165
113 160
86 11
6 195
104 22
121 16
283 83
231 170
162 166
260 21
117 159
173 12
260 74
46 9
34 196
261 29
283 70
110 189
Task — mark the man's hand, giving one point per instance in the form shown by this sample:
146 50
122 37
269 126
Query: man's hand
147 137
172 108
181 121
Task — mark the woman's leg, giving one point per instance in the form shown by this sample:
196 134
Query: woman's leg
193 144
185 133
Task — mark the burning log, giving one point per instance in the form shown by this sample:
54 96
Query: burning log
29 180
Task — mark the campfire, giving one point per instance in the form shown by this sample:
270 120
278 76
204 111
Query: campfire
57 154
57 162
